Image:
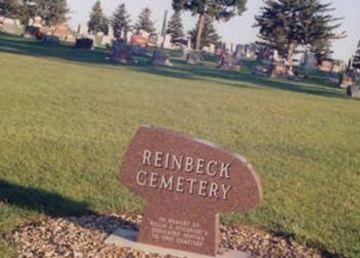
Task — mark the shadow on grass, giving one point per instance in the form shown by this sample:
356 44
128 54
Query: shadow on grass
52 204
241 79
17 45
56 206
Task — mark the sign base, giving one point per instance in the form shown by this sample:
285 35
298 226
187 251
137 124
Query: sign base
127 238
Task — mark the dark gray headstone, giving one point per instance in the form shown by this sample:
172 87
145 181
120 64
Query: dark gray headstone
161 58
84 43
121 53
51 40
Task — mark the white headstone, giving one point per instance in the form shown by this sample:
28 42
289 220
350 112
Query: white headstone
167 42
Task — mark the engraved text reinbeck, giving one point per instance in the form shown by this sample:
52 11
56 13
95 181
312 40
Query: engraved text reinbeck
181 184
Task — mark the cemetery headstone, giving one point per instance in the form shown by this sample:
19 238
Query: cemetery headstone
240 52
228 61
277 69
161 58
51 40
186 182
346 80
139 40
84 43
30 31
82 31
184 51
245 52
334 80
353 91
106 40
138 50
165 42
309 62
39 35
193 57
121 53
260 70
28 35
153 39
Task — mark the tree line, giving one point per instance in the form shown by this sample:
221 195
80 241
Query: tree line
51 12
121 23
286 26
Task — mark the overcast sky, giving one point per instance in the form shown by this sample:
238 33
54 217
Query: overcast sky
237 30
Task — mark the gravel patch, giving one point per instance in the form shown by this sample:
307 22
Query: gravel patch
84 237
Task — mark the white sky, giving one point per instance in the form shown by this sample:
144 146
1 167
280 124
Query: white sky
237 30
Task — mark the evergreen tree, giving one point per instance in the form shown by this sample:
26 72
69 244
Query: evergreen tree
27 11
285 25
145 22
175 27
52 12
9 8
218 9
356 59
208 36
98 21
120 22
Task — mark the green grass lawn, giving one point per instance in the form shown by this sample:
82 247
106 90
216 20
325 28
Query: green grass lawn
67 116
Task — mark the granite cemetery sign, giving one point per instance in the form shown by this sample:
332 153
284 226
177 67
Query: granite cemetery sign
186 182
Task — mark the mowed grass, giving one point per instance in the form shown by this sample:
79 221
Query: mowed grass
66 122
